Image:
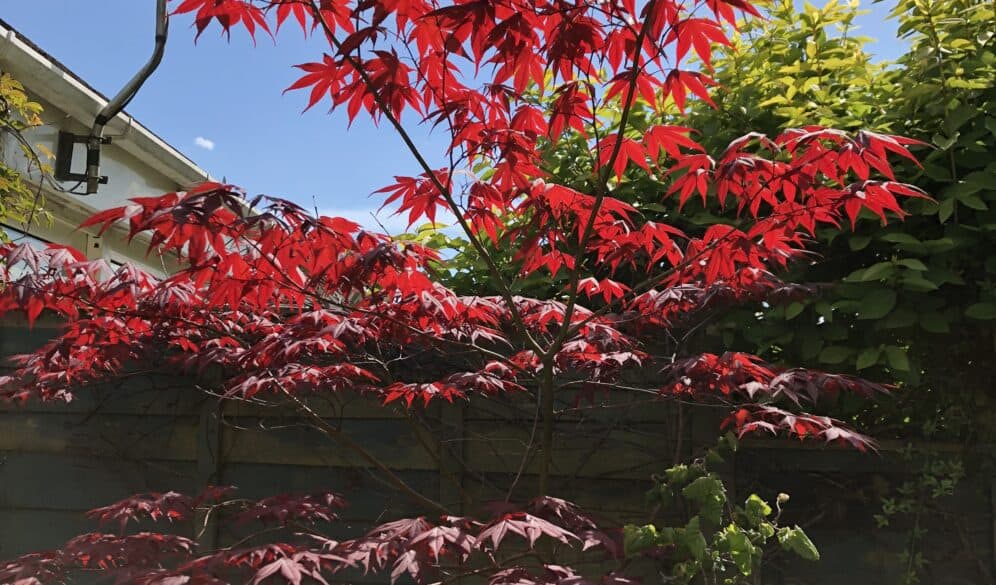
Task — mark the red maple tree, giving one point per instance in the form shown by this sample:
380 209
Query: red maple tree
287 305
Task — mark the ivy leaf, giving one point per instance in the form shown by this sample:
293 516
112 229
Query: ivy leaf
639 538
708 492
756 510
741 549
794 539
692 539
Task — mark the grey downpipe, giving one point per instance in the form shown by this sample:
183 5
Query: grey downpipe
114 107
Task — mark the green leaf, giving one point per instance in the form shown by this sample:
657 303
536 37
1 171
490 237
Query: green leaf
767 530
899 238
810 346
795 540
941 245
638 538
692 539
868 358
741 549
703 488
983 311
899 318
944 142
857 242
877 304
731 441
792 311
756 510
917 283
934 322
896 358
876 271
834 354
708 492
936 172
912 264
713 458
973 202
681 474
945 210
956 118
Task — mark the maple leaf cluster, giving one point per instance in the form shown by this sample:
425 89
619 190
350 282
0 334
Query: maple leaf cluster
419 548
280 305
287 303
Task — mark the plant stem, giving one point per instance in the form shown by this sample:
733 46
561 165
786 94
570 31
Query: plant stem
336 434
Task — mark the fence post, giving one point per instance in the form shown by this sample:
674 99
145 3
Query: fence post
208 463
451 447
992 513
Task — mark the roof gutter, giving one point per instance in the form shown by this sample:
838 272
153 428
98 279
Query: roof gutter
59 87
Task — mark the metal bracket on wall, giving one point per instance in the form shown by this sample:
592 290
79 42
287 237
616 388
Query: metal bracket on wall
64 156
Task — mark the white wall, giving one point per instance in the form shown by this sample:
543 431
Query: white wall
127 177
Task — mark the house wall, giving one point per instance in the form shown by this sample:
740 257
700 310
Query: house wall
127 175
137 162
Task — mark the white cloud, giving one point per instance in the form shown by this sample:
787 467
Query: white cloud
205 143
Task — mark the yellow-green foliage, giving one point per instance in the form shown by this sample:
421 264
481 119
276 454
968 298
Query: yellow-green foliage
915 301
19 202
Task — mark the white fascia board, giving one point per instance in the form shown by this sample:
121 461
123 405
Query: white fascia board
63 90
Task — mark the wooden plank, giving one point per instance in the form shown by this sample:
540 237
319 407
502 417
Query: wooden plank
847 556
828 459
16 337
344 405
992 513
369 499
613 500
451 442
612 407
292 442
128 400
67 482
24 531
635 451
127 437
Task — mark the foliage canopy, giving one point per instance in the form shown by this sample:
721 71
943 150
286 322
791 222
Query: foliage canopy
274 306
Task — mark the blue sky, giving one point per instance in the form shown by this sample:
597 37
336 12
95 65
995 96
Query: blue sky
229 94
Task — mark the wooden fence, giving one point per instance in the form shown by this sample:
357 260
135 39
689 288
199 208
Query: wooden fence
156 434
